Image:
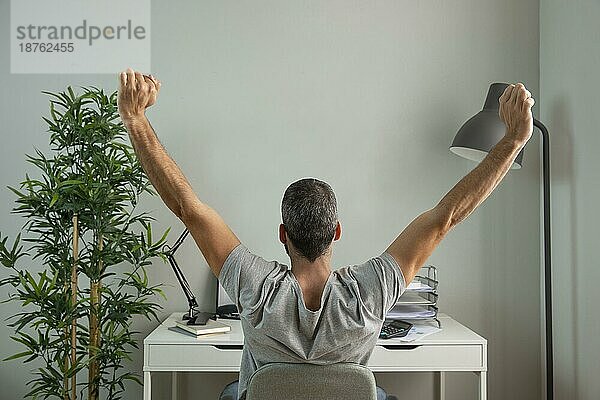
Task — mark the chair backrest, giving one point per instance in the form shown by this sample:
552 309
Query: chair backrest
315 382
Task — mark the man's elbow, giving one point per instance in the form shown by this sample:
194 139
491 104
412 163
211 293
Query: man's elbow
176 209
445 219
185 213
191 212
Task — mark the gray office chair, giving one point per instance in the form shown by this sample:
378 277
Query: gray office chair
311 382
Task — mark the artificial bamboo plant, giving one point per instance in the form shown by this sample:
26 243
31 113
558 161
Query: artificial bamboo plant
79 272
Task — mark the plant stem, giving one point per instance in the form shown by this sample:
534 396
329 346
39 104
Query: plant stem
73 303
95 285
69 361
66 368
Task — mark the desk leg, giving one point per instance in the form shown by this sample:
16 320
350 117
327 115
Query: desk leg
147 386
441 384
482 385
173 385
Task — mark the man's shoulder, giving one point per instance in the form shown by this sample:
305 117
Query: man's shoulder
243 256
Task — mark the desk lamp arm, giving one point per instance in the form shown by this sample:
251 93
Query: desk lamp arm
187 291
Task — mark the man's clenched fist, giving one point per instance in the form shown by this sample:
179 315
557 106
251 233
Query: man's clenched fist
136 93
515 111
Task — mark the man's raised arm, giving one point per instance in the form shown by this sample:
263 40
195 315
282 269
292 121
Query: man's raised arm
212 235
416 243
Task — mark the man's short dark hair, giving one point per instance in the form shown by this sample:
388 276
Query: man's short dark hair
309 214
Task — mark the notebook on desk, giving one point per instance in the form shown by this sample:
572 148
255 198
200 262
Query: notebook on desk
211 326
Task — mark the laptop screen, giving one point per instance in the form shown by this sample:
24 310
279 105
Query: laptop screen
225 307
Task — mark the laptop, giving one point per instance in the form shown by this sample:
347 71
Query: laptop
225 307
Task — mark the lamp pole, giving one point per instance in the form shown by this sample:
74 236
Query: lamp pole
474 140
547 258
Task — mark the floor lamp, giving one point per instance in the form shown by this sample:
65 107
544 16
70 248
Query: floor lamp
473 141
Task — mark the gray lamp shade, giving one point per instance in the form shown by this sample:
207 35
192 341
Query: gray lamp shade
484 130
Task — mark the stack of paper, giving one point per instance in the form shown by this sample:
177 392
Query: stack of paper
417 286
409 311
419 331
416 298
418 305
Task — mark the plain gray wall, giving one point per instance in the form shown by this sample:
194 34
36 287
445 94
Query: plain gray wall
365 95
569 70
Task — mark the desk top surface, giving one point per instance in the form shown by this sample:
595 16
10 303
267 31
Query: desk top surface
452 332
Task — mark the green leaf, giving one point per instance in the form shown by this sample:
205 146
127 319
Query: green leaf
18 355
70 182
70 89
149 234
54 200
15 191
161 293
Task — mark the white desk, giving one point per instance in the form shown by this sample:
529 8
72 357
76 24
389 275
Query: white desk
455 348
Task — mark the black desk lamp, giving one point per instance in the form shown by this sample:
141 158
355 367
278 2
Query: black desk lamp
170 253
473 141
193 316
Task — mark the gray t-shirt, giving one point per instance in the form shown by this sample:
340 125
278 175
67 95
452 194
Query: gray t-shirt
279 328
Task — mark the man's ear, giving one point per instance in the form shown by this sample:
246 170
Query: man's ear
282 234
338 231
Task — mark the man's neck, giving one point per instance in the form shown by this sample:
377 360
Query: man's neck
319 268
312 277
302 266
